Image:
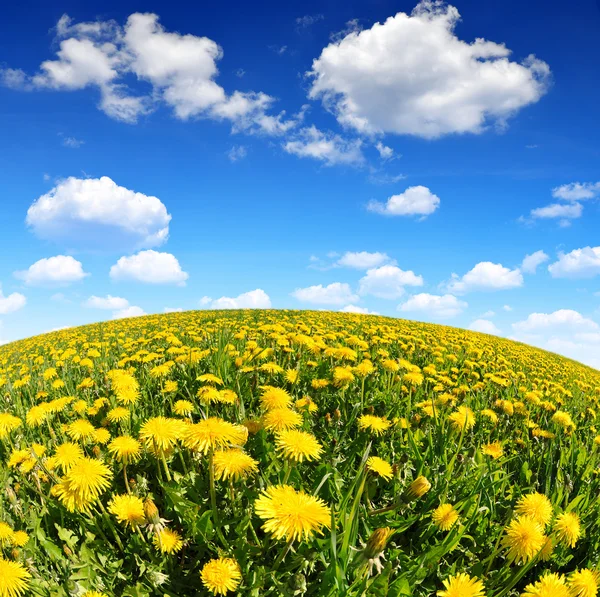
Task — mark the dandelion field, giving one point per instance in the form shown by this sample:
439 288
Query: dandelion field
295 453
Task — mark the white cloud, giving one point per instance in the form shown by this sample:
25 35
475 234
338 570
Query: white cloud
236 153
415 201
363 260
507 308
172 309
565 331
131 311
72 142
385 152
329 148
485 326
435 306
567 211
53 271
388 281
336 293
563 318
255 299
180 69
11 303
577 191
97 211
530 262
356 309
488 314
413 75
579 263
486 276
107 302
150 267
308 20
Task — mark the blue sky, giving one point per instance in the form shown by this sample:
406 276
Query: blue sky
388 157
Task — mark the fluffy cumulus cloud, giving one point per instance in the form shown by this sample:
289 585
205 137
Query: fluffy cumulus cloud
565 331
388 281
486 276
60 270
572 194
362 260
531 262
11 303
579 263
413 75
577 191
97 211
563 211
336 293
150 267
106 302
433 305
329 148
357 309
179 70
485 326
255 299
415 201
131 311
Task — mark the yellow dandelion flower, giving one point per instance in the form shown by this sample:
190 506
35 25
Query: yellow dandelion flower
584 583
549 585
168 541
20 538
272 397
281 419
524 538
298 445
417 489
118 414
462 418
66 455
128 509
380 467
83 484
462 585
183 408
81 430
13 578
233 463
490 414
6 534
126 449
444 517
221 575
161 433
567 528
102 436
536 506
494 450
377 425
213 433
290 514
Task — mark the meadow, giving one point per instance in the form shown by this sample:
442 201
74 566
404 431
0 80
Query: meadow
289 453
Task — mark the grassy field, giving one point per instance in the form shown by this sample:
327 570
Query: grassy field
295 453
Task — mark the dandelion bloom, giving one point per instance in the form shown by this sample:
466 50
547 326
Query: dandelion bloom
81 430
418 488
462 418
380 467
272 397
372 423
125 449
161 433
118 414
290 514
373 550
536 506
462 585
128 509
221 575
549 585
524 539
183 408
233 463
20 538
66 455
299 445
83 484
568 528
584 583
168 541
494 450
281 419
6 534
444 517
102 436
13 578
213 433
